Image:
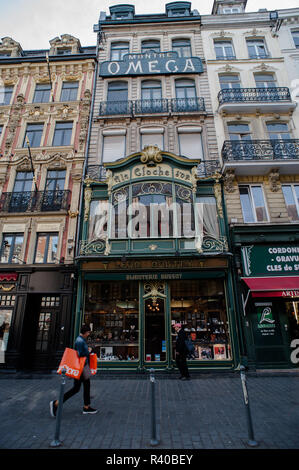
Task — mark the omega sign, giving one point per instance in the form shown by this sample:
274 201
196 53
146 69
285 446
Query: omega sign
151 63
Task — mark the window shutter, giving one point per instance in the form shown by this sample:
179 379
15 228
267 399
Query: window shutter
113 147
190 145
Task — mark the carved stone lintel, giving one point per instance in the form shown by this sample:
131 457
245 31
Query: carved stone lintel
229 179
274 182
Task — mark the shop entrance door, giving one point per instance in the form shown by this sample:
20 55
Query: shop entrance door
269 335
155 324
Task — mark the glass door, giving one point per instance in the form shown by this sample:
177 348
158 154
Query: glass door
154 300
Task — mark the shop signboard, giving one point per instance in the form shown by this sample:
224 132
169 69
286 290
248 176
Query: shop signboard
266 325
270 260
151 63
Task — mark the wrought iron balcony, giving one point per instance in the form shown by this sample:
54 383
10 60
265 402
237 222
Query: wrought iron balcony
115 107
35 201
287 149
175 105
208 168
182 105
96 172
151 106
248 95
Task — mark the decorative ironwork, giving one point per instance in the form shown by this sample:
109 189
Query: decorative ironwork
236 95
35 201
183 193
151 106
274 149
175 105
182 105
96 172
208 168
115 107
92 247
153 290
121 195
211 244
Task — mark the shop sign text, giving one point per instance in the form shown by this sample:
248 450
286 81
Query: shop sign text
274 260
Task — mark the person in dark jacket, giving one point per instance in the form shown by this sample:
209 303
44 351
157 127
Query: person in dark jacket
181 352
83 351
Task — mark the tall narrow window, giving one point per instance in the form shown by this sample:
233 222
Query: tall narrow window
253 204
46 248
291 196
151 96
256 49
69 91
118 50
190 144
186 99
113 147
239 132
21 195
182 47
34 133
224 50
55 180
11 247
229 81
62 134
117 98
42 93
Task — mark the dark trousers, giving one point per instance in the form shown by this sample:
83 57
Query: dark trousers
181 362
76 388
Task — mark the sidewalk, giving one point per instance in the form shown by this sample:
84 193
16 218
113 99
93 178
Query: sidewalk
206 413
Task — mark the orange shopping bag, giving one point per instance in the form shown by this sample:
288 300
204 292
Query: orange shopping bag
93 363
72 363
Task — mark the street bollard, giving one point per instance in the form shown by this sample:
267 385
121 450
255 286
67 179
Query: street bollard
154 440
56 442
251 442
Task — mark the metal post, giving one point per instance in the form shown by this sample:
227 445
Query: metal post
251 442
56 442
154 440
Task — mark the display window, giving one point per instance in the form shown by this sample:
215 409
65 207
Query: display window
112 311
199 305
5 319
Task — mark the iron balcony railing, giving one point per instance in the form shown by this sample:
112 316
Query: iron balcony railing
248 95
35 201
274 149
175 105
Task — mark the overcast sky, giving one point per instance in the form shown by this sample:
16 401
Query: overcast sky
33 23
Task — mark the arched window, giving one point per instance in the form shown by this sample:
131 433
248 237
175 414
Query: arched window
182 47
150 45
118 50
186 99
117 98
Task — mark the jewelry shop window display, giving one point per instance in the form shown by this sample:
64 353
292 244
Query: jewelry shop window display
112 311
200 306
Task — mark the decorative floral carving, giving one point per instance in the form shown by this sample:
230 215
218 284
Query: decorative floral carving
151 155
228 180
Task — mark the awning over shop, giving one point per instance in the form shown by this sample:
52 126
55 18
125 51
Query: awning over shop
287 286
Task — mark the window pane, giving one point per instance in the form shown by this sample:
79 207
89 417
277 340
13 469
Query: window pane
182 47
246 205
69 91
150 45
62 134
34 133
6 95
5 322
23 181
52 248
118 50
190 145
42 93
290 201
258 198
200 306
295 35
55 180
112 309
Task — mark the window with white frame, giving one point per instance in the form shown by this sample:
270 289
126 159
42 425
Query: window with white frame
224 50
46 248
11 248
190 143
229 81
278 130
291 197
150 45
257 48
182 47
114 145
253 203
295 35
152 136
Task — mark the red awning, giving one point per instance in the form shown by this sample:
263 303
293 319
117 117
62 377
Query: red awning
287 286
8 277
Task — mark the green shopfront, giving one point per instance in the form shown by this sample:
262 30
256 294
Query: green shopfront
141 271
269 298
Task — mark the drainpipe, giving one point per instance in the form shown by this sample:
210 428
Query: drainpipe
77 238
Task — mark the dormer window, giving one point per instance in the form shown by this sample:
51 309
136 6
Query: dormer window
175 9
122 12
64 51
231 10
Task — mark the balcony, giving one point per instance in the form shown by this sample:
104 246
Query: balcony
35 201
236 100
258 157
156 106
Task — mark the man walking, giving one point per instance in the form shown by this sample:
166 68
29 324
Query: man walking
83 351
181 352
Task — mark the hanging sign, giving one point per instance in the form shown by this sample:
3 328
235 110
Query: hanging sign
271 260
151 63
